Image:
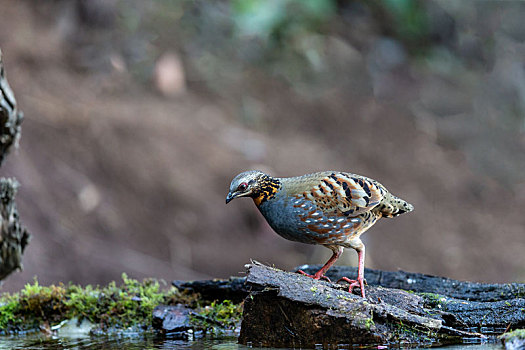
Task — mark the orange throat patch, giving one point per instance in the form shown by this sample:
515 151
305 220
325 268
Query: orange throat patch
258 200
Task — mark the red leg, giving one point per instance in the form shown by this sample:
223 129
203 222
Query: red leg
360 273
320 274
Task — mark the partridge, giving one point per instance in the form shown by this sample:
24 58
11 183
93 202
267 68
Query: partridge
329 208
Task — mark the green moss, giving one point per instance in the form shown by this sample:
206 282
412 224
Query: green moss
130 304
369 322
411 334
113 306
32 306
434 300
218 316
7 313
344 297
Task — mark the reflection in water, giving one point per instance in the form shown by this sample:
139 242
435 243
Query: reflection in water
492 346
39 342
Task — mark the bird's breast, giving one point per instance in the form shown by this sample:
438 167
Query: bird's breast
281 215
299 219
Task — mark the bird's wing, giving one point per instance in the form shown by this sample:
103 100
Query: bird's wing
346 193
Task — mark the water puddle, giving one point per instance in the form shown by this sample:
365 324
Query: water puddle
40 342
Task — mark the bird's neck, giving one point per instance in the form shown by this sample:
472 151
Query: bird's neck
266 189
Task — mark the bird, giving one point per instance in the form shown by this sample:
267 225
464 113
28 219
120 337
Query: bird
328 208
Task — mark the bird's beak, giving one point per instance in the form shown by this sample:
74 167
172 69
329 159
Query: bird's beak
229 197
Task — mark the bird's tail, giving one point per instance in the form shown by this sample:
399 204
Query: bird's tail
392 206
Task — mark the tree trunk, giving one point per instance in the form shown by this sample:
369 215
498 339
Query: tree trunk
13 236
10 117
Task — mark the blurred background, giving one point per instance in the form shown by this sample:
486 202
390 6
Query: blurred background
139 113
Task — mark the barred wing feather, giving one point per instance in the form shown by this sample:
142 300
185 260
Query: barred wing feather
348 194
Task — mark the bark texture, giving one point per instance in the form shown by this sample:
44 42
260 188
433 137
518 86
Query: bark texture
10 117
292 310
13 236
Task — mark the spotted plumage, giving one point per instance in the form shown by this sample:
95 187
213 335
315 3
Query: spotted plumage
328 208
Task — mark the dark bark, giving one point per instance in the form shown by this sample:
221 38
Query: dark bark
234 289
10 116
296 311
421 283
291 310
13 236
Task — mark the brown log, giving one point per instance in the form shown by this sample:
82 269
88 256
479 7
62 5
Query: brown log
421 283
293 310
236 290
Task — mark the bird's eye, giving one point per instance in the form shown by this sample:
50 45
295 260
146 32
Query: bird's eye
242 187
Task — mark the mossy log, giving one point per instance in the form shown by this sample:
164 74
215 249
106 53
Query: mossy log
285 309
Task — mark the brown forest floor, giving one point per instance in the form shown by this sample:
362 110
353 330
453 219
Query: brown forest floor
116 178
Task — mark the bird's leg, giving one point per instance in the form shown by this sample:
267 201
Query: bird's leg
320 274
360 272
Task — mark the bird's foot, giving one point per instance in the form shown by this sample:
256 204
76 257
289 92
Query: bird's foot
315 277
360 282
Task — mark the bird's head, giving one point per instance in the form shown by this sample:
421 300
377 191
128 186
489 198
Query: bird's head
246 184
